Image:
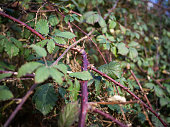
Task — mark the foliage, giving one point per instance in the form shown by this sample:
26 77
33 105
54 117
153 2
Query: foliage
129 34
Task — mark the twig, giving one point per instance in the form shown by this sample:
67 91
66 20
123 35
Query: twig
109 117
114 6
23 24
141 88
20 105
71 46
113 103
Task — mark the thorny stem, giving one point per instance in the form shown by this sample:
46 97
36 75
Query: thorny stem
23 24
109 117
20 105
114 6
141 88
127 90
84 92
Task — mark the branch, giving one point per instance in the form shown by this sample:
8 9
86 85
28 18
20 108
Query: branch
20 105
114 6
109 117
23 24
127 90
141 88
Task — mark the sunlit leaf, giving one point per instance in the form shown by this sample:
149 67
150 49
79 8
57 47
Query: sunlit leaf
41 74
28 68
67 35
42 26
84 75
122 49
50 46
39 50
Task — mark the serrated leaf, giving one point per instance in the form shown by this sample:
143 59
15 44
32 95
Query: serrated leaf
149 85
68 115
5 93
158 91
42 43
56 75
2 76
112 24
67 35
133 53
16 42
53 20
141 117
102 22
28 68
59 40
42 26
113 69
62 68
11 49
50 46
41 74
74 91
45 98
133 44
39 50
84 75
122 49
123 29
101 39
164 101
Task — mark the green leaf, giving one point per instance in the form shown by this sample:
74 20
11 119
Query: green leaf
84 75
39 50
11 49
42 43
62 68
91 17
102 22
50 46
2 76
28 68
53 20
68 115
123 29
159 92
45 98
42 26
149 85
133 44
5 93
16 42
74 91
133 53
122 49
141 117
101 39
67 35
41 74
59 40
56 75
112 24
113 69
164 101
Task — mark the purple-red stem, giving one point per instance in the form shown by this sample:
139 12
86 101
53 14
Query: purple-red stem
127 90
20 105
107 116
141 88
23 24
84 93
